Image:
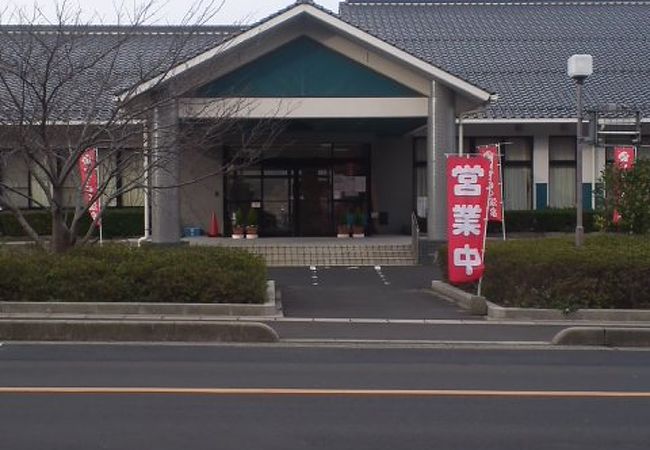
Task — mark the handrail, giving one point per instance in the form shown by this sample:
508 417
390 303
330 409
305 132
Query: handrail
415 237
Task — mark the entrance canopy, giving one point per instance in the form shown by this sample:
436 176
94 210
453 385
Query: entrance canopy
310 31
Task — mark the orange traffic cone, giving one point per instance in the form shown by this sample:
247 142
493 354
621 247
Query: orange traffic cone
214 226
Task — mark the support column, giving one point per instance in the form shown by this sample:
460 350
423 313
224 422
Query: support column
165 175
441 132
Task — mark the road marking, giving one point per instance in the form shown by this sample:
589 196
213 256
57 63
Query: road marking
381 276
299 392
314 276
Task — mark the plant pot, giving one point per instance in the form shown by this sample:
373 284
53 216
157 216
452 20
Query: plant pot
238 232
343 231
358 232
251 232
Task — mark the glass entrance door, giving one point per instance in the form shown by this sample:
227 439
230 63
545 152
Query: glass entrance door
313 201
305 193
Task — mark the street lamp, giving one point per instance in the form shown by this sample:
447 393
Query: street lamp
579 67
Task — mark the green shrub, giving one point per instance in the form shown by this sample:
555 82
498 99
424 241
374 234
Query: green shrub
610 271
116 273
628 192
544 221
118 223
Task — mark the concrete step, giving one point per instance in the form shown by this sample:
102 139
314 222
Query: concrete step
335 255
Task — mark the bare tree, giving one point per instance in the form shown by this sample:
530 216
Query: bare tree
69 86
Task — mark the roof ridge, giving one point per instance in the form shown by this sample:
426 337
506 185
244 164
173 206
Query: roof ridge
115 29
349 3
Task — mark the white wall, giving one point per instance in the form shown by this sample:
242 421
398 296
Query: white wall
204 194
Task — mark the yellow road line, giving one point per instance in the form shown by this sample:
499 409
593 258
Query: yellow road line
298 392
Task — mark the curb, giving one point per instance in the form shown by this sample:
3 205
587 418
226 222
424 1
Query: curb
122 331
605 315
475 304
603 337
480 306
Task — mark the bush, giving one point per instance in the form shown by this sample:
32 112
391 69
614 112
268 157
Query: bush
118 223
537 221
116 273
627 192
544 221
610 271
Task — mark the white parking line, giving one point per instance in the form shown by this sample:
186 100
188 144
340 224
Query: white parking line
382 276
314 275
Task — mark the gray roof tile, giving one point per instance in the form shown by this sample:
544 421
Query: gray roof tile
519 49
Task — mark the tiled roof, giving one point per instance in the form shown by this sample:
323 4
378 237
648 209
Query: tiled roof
124 57
519 49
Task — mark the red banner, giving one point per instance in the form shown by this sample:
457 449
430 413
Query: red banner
90 182
467 201
495 192
624 158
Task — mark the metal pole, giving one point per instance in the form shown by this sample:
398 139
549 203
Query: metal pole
101 221
460 134
579 228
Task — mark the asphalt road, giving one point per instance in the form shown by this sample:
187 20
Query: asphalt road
362 292
509 399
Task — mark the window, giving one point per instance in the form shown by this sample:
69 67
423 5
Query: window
15 175
27 186
562 171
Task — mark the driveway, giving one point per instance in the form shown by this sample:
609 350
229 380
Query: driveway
362 292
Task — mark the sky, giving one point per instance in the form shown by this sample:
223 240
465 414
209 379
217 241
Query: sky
170 11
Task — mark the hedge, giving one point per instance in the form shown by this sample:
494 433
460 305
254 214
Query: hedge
544 221
118 273
118 222
537 221
610 271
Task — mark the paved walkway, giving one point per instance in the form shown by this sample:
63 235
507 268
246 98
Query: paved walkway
362 292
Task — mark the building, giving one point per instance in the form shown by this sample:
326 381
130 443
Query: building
373 98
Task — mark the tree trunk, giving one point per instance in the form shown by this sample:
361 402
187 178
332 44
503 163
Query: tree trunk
61 237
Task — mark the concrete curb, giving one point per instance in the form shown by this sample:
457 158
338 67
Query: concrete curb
270 308
604 315
480 306
603 337
122 331
475 304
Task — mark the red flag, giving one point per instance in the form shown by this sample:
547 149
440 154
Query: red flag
90 182
495 199
467 205
624 159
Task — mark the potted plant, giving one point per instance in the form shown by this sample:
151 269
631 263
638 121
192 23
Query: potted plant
343 227
251 224
238 225
359 225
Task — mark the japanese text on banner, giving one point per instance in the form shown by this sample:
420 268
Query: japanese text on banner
495 199
467 203
624 158
90 182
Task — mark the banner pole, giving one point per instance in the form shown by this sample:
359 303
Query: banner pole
503 204
485 227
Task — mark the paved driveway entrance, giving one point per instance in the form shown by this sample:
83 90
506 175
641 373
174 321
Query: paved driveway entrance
362 292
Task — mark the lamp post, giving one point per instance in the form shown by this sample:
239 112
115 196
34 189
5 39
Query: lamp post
579 67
